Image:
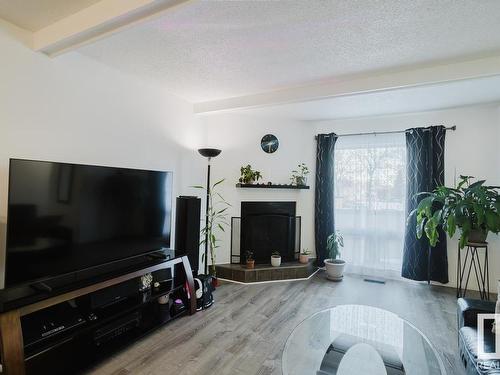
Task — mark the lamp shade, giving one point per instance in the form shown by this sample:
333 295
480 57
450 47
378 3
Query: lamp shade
209 152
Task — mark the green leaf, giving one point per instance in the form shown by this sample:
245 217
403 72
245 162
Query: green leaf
451 225
463 241
422 193
198 187
479 211
218 182
477 183
420 227
491 219
464 180
222 198
431 232
425 204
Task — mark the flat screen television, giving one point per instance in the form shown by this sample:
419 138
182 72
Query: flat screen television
64 218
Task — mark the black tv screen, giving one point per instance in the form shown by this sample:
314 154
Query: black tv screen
69 217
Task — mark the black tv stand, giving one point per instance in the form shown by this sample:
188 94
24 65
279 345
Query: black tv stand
70 329
158 256
41 287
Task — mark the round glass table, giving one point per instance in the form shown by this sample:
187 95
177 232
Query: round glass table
357 340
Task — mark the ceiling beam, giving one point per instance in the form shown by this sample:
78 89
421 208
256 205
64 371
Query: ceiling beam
96 21
358 85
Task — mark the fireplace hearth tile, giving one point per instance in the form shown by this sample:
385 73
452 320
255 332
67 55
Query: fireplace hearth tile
266 272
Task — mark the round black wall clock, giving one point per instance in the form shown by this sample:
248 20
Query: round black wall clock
269 143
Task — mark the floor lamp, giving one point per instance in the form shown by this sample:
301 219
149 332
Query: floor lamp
208 153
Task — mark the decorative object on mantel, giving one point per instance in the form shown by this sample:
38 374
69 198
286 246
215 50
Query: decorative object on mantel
334 267
270 185
250 260
304 256
276 259
299 176
248 175
269 143
473 208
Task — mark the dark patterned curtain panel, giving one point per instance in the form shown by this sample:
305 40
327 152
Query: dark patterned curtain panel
324 204
424 172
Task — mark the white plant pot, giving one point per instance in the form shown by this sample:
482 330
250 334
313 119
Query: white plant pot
275 261
334 269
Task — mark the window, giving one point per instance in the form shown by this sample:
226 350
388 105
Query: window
370 202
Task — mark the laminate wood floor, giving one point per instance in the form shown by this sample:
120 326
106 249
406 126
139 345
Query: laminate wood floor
246 330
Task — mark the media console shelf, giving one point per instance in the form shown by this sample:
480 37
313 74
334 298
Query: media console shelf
15 354
273 186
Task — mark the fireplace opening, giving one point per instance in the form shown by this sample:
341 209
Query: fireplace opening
267 227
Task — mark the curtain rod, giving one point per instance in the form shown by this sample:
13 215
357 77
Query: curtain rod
453 128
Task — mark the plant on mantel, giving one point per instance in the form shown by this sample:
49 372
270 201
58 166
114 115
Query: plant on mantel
299 176
216 221
473 208
248 175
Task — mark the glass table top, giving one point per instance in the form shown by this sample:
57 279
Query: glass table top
356 340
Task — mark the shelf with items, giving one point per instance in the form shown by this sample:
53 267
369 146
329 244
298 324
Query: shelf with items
273 186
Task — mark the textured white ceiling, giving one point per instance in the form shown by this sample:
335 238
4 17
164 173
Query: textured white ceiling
210 50
35 14
414 99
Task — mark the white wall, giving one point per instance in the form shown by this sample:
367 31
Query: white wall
75 110
239 136
473 149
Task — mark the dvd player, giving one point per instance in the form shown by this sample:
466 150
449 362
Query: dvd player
49 323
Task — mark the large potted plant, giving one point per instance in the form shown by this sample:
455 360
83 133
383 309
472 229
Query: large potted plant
216 222
334 265
473 208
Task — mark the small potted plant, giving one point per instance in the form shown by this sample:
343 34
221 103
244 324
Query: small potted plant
275 259
248 175
334 265
299 176
250 260
304 256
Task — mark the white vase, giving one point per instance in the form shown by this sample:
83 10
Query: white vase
275 261
334 269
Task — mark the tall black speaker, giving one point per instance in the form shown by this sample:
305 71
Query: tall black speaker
187 229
